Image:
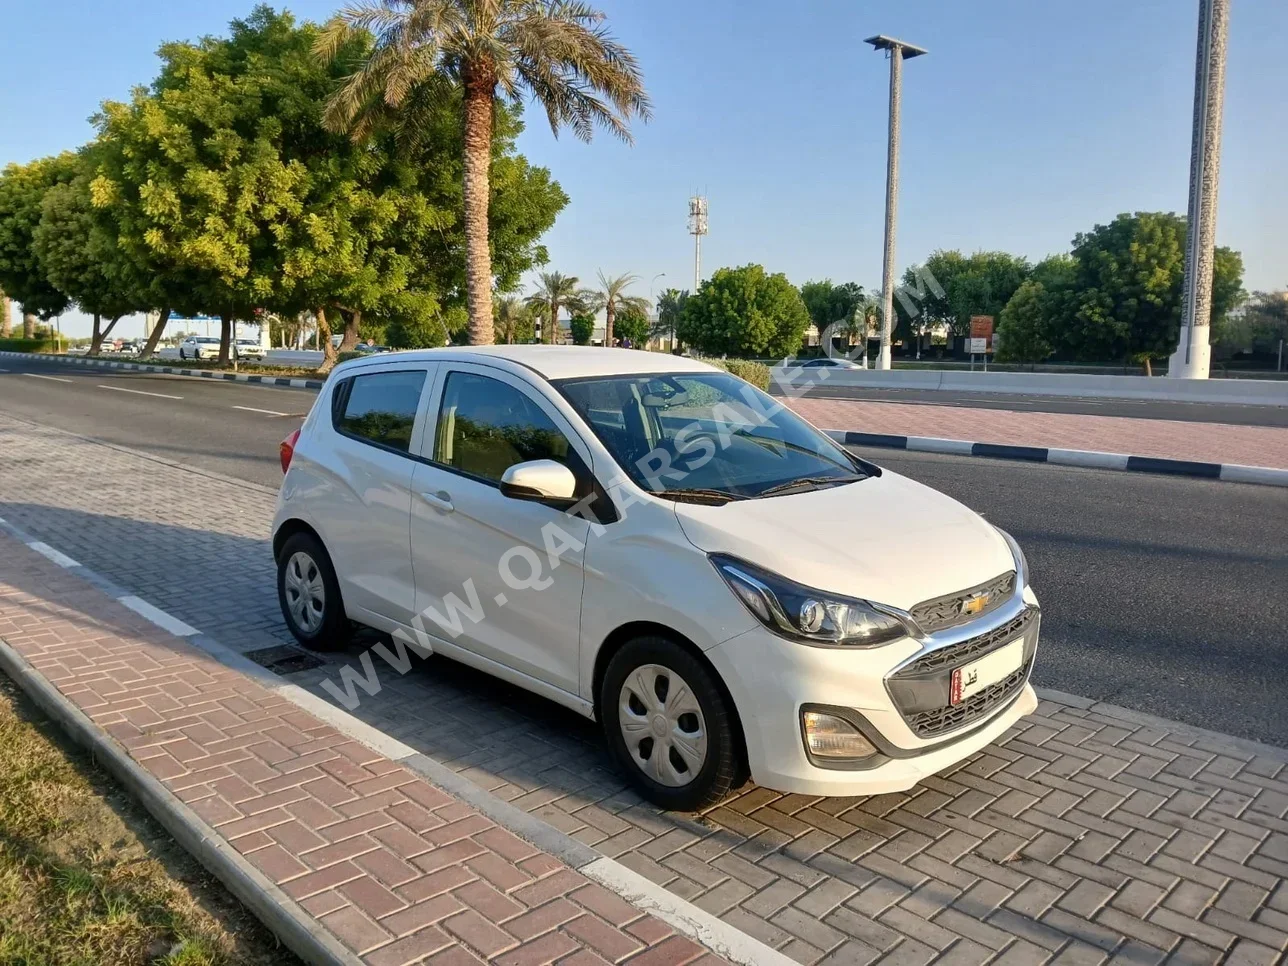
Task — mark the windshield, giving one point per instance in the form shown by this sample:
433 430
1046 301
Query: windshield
706 434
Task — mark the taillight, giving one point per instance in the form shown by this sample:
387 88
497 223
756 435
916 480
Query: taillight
287 449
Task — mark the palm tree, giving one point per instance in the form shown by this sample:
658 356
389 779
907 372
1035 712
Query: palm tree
512 317
555 289
558 51
612 298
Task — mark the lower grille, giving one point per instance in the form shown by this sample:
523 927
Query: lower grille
939 721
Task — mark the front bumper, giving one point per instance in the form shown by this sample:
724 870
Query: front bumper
772 680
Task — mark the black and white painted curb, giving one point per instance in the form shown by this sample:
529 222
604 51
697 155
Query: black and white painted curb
1227 472
256 378
294 927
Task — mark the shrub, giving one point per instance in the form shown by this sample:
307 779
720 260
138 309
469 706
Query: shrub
27 345
756 373
346 356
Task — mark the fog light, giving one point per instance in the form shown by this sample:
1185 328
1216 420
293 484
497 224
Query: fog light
827 736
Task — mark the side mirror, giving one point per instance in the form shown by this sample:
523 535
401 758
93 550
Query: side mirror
542 481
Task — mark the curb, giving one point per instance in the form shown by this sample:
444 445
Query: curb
283 382
264 899
1224 472
297 930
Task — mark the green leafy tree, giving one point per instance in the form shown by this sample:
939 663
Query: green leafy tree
834 305
22 276
81 258
1024 330
1130 277
949 288
554 291
612 298
632 324
745 312
559 53
582 328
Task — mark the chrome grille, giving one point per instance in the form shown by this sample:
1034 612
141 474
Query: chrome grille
956 654
931 724
941 612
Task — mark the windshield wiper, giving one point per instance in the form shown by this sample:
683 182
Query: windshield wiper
807 481
697 495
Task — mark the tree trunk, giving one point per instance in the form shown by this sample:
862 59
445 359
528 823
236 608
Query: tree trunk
225 337
1149 369
552 327
96 336
480 90
6 317
353 319
324 337
157 330
609 318
28 325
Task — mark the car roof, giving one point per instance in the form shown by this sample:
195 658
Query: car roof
550 361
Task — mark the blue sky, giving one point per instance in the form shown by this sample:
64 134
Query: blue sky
1028 122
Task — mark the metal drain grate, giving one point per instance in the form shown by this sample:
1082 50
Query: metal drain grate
284 659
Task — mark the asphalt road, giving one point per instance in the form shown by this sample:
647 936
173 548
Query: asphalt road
1162 594
1189 412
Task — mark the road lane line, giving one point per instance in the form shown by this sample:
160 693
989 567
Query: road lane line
36 375
266 412
138 392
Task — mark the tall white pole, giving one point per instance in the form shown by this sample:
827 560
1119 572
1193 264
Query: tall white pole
892 208
697 261
1193 356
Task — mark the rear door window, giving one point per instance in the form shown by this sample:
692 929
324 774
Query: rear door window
380 407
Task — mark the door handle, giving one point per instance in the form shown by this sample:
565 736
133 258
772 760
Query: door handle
442 500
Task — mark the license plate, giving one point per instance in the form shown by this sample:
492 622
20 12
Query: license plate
974 677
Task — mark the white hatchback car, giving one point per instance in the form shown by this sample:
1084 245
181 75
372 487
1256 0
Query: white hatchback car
657 544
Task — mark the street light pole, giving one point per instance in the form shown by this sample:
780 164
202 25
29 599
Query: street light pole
1193 356
898 52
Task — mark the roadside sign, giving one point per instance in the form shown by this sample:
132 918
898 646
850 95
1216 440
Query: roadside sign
981 327
978 346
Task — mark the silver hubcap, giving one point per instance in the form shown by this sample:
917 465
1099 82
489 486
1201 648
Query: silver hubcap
305 592
663 725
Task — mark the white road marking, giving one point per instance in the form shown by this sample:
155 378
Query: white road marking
57 556
139 392
157 616
4 370
266 412
36 375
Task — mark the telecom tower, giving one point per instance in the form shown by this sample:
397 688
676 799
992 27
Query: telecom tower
697 228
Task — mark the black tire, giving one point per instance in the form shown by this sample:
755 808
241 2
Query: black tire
332 629
723 766
181 355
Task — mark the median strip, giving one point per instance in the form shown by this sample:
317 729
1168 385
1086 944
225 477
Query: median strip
1088 459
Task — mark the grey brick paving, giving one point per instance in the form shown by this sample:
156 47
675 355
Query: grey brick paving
1079 837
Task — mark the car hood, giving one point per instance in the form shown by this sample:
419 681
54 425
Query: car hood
886 539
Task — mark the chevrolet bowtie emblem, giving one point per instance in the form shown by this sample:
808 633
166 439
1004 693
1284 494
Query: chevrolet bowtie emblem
974 604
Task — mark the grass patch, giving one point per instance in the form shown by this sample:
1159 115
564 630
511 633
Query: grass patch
87 878
252 368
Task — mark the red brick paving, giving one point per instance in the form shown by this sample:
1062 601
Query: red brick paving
396 869
1167 438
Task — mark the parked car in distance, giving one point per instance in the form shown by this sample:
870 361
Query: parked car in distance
249 349
824 363
129 348
363 347
199 347
77 350
662 547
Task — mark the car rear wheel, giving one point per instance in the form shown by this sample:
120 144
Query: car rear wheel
309 594
669 724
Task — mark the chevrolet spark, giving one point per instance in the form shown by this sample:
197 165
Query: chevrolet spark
661 547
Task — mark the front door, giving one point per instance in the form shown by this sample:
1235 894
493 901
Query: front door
500 577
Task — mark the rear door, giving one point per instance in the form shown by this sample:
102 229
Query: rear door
364 500
483 561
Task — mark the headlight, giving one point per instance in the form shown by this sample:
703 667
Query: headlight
1021 564
812 616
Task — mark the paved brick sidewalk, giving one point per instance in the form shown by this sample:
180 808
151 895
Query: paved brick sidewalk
394 868
1170 439
1082 836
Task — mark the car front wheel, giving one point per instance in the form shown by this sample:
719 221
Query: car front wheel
669 724
309 594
